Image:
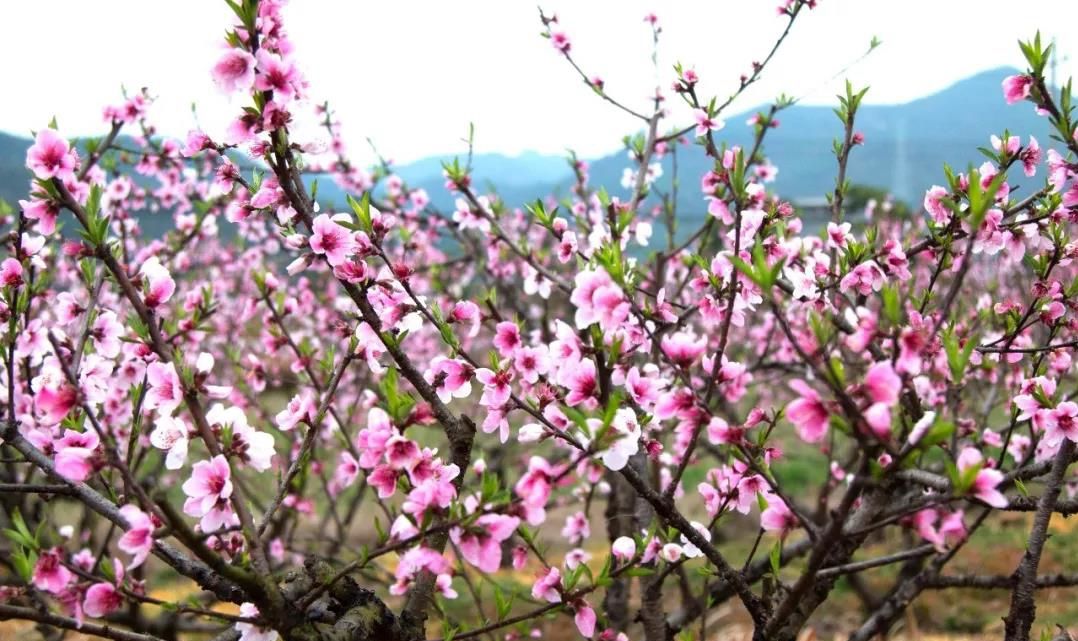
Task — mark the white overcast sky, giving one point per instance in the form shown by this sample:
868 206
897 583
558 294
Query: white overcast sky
411 74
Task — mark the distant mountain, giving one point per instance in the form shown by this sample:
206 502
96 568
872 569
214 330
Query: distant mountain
905 149
525 170
905 146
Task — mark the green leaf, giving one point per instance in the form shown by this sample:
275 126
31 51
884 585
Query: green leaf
574 576
362 209
17 538
892 306
957 357
940 432
1021 487
745 268
775 557
489 486
503 604
24 563
449 631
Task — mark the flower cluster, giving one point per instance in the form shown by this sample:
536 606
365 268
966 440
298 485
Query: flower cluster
328 403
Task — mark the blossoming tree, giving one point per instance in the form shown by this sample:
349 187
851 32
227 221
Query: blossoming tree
347 422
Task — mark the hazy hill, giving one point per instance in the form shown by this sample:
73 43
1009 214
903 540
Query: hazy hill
905 148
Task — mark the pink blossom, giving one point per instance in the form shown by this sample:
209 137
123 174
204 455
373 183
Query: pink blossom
481 545
252 631
196 142
714 500
75 453
507 338
838 235
1016 88
895 261
466 312
576 528
171 434
534 486
866 278
567 247
683 348
1062 422
934 204
450 378
924 522
921 427
402 529
11 273
51 156
103 599
720 432
302 408
234 71
436 491
496 386
560 41
165 392
248 445
643 389
986 481
548 586
105 333
54 403
777 517
208 490
33 342
937 531
882 385
412 563
520 557
584 619
277 75
346 471
369 347
625 432
598 299
469 217
1009 146
678 402
532 362
384 479
444 584
580 379
332 240
623 549
402 453
671 552
717 208
159 285
45 212
705 123
878 417
49 573
808 413
1028 404
138 539
269 195
371 440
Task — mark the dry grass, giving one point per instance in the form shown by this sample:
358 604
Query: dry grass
956 615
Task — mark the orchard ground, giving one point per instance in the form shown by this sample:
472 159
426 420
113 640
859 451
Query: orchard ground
952 615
